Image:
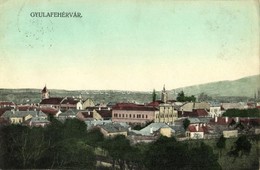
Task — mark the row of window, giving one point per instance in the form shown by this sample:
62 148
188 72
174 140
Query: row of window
165 116
130 116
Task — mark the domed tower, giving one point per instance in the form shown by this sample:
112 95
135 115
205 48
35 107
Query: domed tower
164 95
45 93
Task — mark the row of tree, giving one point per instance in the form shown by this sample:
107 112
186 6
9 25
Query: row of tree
242 113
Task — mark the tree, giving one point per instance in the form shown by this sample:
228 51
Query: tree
241 147
154 95
203 157
204 97
162 154
117 148
95 137
182 98
186 123
221 144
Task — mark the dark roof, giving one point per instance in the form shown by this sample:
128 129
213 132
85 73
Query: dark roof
155 103
221 120
6 103
192 128
87 114
194 113
49 110
70 101
52 100
200 112
132 106
105 113
26 107
44 90
2 110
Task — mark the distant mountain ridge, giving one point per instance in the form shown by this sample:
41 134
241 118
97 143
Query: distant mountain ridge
247 87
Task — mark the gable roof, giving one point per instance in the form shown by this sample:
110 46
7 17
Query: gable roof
69 100
69 112
192 128
113 127
23 114
52 100
6 103
105 113
49 110
146 131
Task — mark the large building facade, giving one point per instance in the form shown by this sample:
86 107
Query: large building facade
167 112
133 114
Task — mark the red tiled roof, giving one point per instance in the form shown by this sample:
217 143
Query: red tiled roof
200 112
49 110
221 120
26 107
192 128
155 103
132 106
52 100
6 103
194 113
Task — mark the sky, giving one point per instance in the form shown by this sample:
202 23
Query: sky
127 45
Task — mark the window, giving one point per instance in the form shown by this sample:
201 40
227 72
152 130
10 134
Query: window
126 115
134 116
130 115
147 116
123 115
142 116
119 115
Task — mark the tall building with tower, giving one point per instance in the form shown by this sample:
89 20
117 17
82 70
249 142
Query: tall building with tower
45 93
164 95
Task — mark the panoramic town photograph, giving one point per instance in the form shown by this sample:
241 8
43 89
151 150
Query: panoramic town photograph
130 85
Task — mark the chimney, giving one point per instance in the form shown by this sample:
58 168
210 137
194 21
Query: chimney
197 128
151 129
226 119
216 119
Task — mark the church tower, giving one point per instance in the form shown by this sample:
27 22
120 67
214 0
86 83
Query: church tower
164 95
45 93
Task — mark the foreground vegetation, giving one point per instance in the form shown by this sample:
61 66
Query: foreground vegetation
69 145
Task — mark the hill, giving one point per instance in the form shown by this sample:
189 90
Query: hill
244 87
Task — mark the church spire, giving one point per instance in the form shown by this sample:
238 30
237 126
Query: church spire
164 95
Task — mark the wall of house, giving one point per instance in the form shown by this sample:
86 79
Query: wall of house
133 116
196 135
88 103
230 133
107 134
166 114
215 111
166 132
